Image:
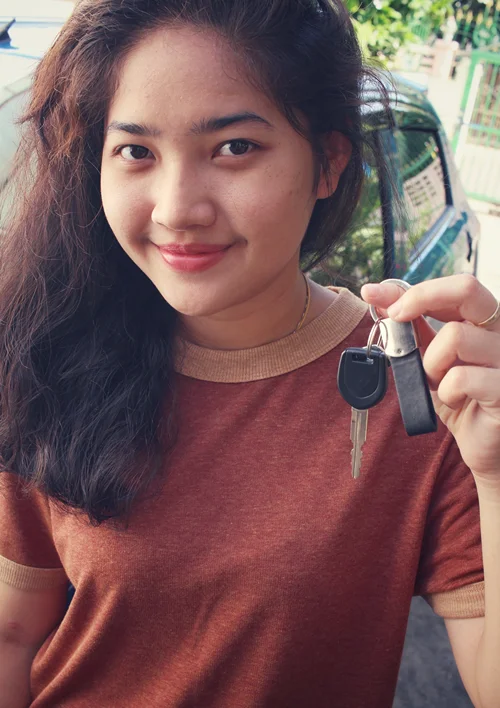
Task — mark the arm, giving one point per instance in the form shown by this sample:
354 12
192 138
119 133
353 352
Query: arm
476 642
26 619
462 363
465 637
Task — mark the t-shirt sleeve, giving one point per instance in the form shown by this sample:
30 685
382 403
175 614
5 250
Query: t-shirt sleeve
28 557
450 575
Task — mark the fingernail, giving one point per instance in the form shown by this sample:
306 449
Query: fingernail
394 310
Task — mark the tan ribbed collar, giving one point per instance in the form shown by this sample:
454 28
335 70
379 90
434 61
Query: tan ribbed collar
309 343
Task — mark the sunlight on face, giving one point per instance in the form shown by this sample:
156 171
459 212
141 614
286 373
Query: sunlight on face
196 157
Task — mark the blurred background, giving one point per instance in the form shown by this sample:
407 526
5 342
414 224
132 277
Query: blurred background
445 149
451 50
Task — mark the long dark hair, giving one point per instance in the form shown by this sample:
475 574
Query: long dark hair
87 395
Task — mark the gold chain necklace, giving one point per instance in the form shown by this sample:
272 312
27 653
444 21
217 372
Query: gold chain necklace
306 308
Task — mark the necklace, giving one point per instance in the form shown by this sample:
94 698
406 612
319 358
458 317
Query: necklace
306 307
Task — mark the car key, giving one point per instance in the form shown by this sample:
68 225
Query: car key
362 382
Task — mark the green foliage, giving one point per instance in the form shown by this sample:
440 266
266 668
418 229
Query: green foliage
358 258
383 26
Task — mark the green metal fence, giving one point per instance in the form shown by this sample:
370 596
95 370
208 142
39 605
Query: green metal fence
480 29
477 139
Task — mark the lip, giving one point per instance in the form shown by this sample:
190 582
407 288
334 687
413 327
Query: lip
194 249
192 258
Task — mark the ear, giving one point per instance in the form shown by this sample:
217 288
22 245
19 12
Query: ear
338 150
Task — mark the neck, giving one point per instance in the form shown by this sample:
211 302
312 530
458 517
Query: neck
270 315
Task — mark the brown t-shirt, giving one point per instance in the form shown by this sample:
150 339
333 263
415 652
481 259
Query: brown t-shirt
261 574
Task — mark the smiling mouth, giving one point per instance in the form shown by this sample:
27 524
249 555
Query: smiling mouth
193 258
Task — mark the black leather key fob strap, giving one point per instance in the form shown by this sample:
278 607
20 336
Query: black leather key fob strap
415 402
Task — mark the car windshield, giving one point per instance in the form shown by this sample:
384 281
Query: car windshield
28 42
13 69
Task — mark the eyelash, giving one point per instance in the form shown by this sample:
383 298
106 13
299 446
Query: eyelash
118 151
253 146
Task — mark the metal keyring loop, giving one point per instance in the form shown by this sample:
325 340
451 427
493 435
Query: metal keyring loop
375 316
376 328
371 338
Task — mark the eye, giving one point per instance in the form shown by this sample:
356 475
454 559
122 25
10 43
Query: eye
236 148
133 153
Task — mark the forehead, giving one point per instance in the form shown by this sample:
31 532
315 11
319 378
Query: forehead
181 74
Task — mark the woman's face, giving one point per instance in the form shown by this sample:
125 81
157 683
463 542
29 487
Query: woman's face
195 157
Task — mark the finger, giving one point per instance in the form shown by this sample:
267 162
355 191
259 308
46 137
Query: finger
425 333
381 295
477 383
457 297
460 342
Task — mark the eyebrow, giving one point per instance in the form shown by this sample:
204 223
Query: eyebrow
213 125
203 127
141 129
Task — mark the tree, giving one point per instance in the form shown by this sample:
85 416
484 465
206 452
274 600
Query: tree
383 26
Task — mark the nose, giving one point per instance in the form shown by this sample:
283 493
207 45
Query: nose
183 201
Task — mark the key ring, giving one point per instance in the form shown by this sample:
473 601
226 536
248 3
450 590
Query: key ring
376 328
402 284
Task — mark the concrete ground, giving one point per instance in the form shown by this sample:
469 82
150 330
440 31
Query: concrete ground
428 677
488 270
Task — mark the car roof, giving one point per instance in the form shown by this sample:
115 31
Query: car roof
408 101
37 24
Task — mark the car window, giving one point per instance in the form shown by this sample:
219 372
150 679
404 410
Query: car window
422 186
359 257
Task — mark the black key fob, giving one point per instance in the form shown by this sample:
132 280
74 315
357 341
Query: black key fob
362 379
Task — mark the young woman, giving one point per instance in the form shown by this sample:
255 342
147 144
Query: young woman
173 441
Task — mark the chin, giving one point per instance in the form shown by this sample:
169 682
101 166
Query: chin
198 300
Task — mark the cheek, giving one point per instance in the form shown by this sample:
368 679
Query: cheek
126 208
278 205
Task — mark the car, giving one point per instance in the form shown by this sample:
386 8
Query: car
27 29
413 221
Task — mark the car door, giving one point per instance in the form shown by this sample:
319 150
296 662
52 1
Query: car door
431 237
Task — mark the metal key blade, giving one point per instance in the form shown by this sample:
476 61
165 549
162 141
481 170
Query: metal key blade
359 426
